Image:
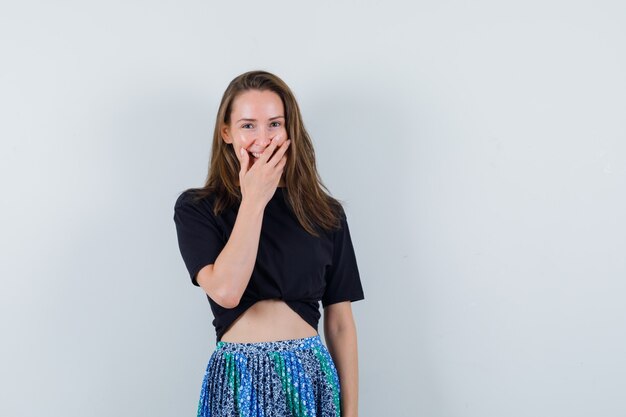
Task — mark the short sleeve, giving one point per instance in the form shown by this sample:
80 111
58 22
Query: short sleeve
199 238
343 281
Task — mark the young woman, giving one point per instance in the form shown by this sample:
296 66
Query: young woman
266 243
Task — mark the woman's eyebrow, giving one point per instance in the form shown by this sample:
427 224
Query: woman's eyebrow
254 120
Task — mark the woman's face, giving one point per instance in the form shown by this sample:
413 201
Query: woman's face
256 117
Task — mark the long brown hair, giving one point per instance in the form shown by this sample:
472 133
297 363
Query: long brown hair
307 196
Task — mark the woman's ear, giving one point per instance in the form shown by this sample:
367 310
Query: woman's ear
225 131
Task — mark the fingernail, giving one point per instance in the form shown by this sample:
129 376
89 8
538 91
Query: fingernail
241 151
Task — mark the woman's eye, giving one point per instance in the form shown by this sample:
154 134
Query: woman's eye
245 126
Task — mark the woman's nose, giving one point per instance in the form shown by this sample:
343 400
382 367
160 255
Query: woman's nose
265 138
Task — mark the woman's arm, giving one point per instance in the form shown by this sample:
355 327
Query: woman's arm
341 340
226 280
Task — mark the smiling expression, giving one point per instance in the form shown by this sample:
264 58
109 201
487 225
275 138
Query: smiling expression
255 119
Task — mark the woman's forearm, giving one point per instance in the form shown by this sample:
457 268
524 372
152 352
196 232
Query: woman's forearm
228 278
342 345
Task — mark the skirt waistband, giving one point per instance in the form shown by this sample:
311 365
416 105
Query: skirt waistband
271 346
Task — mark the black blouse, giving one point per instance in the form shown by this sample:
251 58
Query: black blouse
291 264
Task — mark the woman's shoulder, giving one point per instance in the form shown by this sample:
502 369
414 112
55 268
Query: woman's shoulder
194 197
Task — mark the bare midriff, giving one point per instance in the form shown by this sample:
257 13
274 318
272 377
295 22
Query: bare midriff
268 320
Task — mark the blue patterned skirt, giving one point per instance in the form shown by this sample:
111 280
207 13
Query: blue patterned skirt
284 378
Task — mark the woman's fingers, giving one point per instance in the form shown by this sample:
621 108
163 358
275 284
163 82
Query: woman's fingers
243 161
280 152
269 161
267 152
282 162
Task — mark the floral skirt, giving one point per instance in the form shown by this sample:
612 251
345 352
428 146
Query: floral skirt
284 378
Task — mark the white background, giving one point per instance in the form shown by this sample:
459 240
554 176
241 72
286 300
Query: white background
479 146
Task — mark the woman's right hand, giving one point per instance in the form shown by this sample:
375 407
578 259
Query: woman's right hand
258 181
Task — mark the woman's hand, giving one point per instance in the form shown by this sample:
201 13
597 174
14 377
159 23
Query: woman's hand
258 181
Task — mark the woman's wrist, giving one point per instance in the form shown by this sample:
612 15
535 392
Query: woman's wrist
251 208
